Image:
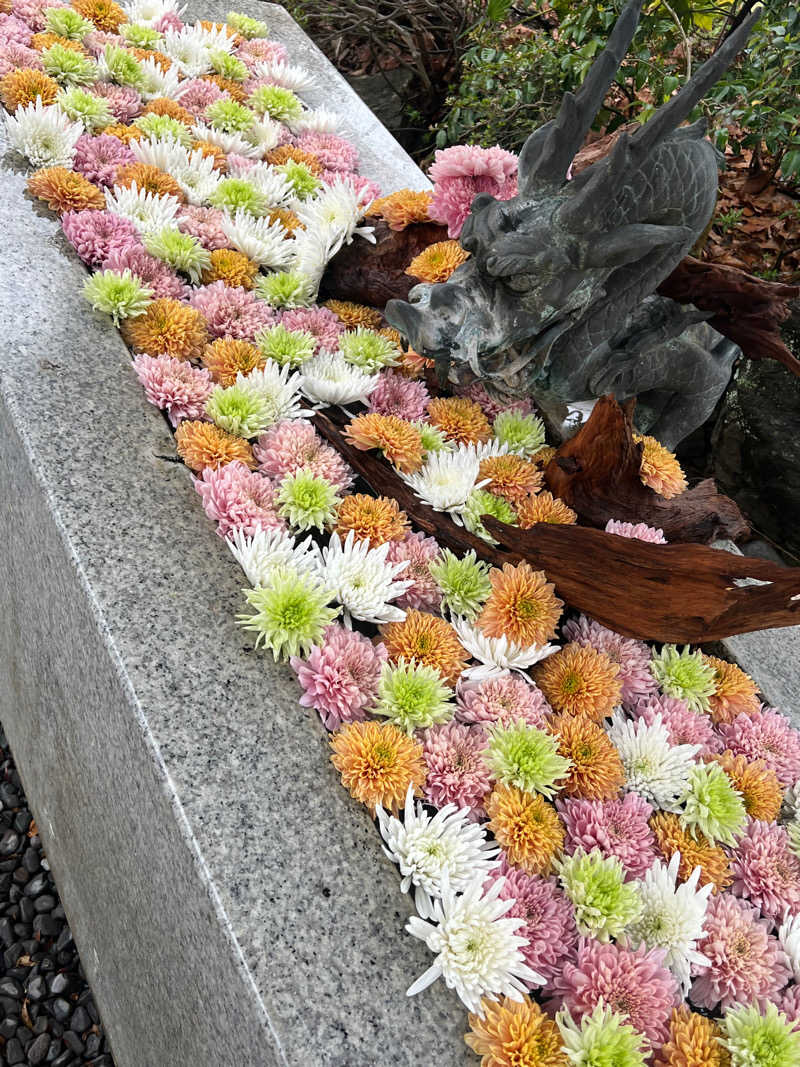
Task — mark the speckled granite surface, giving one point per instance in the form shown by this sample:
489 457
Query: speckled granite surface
230 902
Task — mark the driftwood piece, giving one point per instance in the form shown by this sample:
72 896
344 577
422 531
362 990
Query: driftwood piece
684 594
597 473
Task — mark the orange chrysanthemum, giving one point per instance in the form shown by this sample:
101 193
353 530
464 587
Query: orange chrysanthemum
287 152
227 357
376 519
354 315
65 190
692 1042
429 640
161 60
580 680
515 1034
378 763
214 152
761 791
735 692
124 133
167 327
105 14
398 440
526 827
437 262
149 179
522 606
510 477
460 419
543 456
21 87
222 27
411 363
544 507
290 222
695 848
40 42
596 772
162 105
400 209
660 470
228 85
232 267
202 444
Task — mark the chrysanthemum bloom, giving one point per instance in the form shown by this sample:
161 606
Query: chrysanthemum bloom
378 763
291 612
632 657
634 983
149 178
125 102
398 396
202 444
596 772
18 57
64 190
96 234
768 736
660 470
766 871
151 271
174 386
333 152
105 14
204 223
354 315
580 680
292 445
99 158
398 440
460 172
227 357
526 827
376 519
515 1034
525 756
684 674
231 312
489 405
735 693
789 1003
319 321
410 363
640 531
167 328
605 904
196 94
290 222
238 499
42 42
278 156
13 30
760 1036
437 262
692 1042
212 151
761 791
544 507
21 87
457 771
124 133
340 677
522 606
653 767
400 209
162 105
695 850
231 267
504 699
618 828
712 805
510 477
459 419
429 640
684 726
419 551
745 961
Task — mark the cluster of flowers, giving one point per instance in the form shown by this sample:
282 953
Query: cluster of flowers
600 837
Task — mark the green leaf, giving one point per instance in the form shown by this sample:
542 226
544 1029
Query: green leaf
498 9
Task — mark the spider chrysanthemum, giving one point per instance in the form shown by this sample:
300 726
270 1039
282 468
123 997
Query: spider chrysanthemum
695 850
21 87
544 507
526 827
692 1042
761 791
398 440
353 315
290 614
735 693
429 640
523 434
522 606
654 768
605 904
510 477
232 267
602 1039
367 350
460 419
376 519
168 327
684 674
526 756
398 210
596 770
437 262
65 190
226 357
515 1034
712 805
202 444
481 503
581 681
660 470
378 763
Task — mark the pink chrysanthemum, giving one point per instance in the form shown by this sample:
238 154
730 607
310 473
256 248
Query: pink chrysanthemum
639 531
96 41
768 736
18 57
95 235
420 551
549 919
33 11
14 31
340 677
152 272
396 395
746 961
195 95
238 165
238 499
470 161
476 391
457 772
460 173
632 656
684 726
99 158
334 153
616 827
125 103
506 698
321 322
204 223
367 189
174 385
765 870
261 50
634 983
231 311
789 1003
170 20
292 445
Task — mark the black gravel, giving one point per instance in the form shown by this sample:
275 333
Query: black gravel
47 1012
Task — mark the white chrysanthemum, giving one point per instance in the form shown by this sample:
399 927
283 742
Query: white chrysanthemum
149 11
337 209
269 551
44 135
285 74
259 239
654 768
264 135
431 850
228 142
269 181
317 121
478 952
672 917
364 583
190 48
495 654
311 251
446 479
166 153
147 211
328 379
279 387
193 171
789 937
790 807
157 83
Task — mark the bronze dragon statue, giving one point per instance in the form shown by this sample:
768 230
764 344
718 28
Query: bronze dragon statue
557 300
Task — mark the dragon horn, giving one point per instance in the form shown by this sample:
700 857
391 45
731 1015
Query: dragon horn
548 151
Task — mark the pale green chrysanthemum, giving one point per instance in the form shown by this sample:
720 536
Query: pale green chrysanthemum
246 26
481 502
68 67
238 194
292 347
757 1038
605 904
66 22
526 757
464 583
367 350
793 830
230 117
139 35
181 251
241 409
413 696
290 614
685 675
277 102
602 1039
304 184
228 66
307 500
120 295
93 111
285 289
524 434
711 804
123 67
433 440
163 127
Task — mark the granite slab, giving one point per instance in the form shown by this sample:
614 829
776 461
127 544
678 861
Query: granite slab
231 903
